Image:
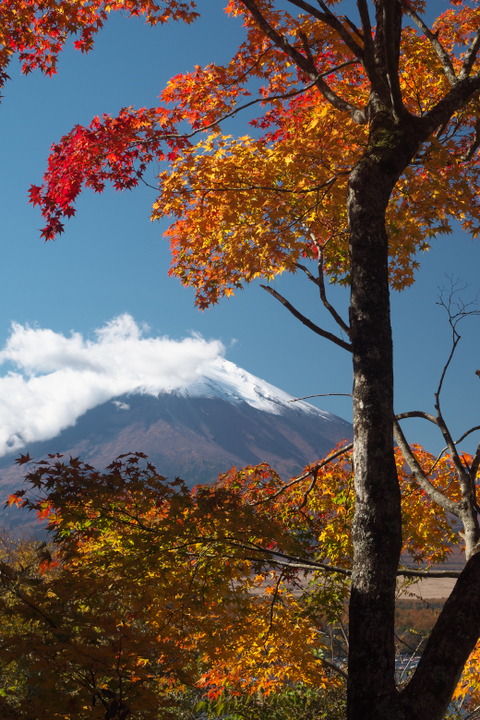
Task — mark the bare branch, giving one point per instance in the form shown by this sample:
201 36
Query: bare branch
474 146
463 310
457 310
307 272
294 563
429 573
470 57
437 460
272 604
418 414
466 434
321 395
413 650
353 27
304 63
442 54
321 284
284 560
307 474
306 48
338 319
391 49
334 667
323 333
369 51
330 19
345 636
319 281
309 489
420 476
475 464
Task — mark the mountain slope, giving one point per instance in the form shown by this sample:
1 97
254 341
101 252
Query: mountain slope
228 417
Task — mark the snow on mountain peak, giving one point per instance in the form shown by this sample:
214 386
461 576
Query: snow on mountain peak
223 379
51 380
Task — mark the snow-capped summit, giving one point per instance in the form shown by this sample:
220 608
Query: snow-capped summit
193 413
223 379
225 417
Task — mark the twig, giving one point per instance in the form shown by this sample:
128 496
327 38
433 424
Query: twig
272 605
321 395
323 295
470 57
334 667
316 468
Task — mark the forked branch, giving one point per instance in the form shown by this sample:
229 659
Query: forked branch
292 562
457 310
392 49
474 467
315 469
319 281
311 325
474 145
303 63
417 414
442 54
321 286
330 19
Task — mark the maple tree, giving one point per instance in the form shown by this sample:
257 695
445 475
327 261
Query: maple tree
365 148
154 587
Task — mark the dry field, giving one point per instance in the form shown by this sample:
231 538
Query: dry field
438 587
430 588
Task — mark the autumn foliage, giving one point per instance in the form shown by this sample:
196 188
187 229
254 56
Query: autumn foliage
146 587
36 32
254 206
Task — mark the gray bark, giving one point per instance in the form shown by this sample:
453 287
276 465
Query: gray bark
372 693
376 531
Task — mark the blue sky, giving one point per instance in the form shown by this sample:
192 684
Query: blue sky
112 260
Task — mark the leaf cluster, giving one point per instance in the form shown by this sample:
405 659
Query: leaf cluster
37 31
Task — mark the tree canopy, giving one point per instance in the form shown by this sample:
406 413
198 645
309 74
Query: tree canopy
152 587
254 206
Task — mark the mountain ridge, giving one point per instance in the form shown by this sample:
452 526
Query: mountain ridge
228 418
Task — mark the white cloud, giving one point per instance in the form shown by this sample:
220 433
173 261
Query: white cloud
121 405
57 378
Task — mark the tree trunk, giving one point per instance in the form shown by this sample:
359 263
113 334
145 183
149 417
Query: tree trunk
376 532
376 529
377 525
428 694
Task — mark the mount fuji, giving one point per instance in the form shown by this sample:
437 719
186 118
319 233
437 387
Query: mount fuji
226 417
